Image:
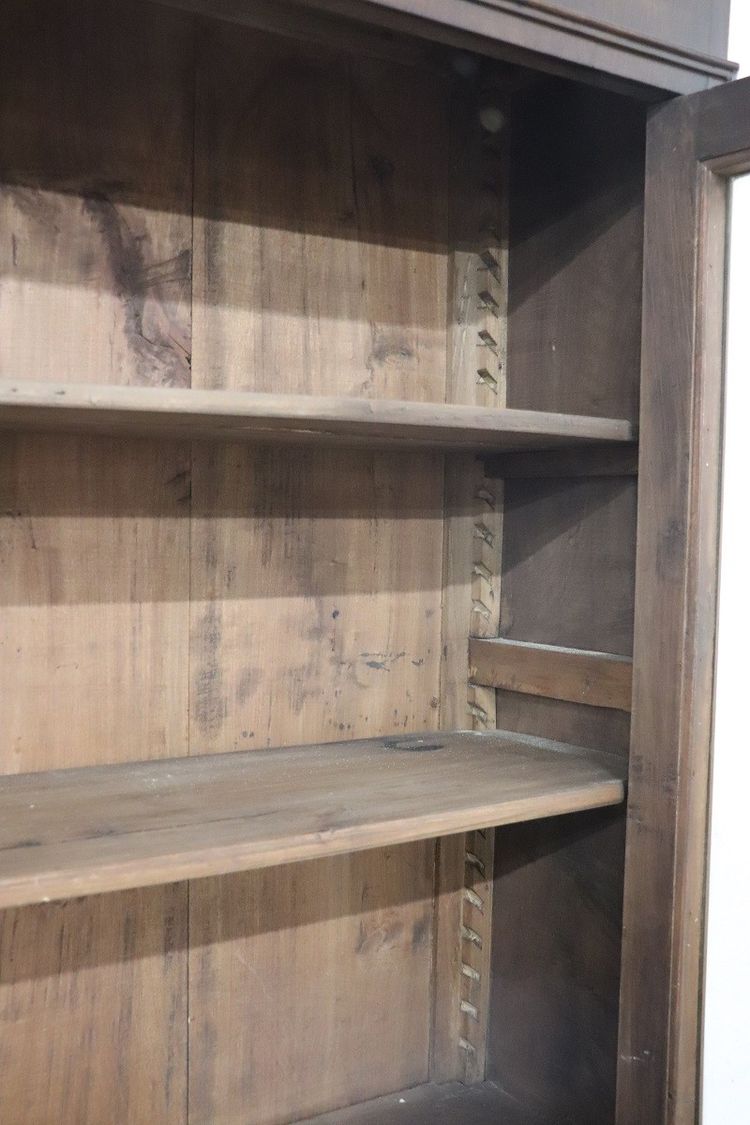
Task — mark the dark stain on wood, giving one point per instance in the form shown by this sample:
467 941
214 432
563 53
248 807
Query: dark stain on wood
133 276
210 704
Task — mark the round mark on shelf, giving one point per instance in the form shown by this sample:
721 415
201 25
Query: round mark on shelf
412 744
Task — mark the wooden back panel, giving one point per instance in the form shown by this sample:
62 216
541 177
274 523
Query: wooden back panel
165 599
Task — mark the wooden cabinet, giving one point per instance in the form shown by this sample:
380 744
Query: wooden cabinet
358 539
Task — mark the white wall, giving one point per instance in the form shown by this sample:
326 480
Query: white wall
726 1053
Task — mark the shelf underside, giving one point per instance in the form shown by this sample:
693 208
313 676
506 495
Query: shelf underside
307 419
66 833
449 1104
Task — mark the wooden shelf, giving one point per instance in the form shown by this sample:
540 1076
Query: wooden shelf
74 832
448 1104
247 415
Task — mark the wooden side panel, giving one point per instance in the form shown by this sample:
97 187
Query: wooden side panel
556 935
569 563
554 999
95 137
568 575
576 251
316 576
599 728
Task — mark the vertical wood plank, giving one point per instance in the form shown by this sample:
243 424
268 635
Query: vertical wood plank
93 549
309 984
320 256
93 1010
316 576
95 210
95 134
315 596
276 541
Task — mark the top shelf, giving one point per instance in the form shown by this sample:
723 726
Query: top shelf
306 419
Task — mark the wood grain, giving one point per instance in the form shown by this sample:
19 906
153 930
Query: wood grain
94 550
96 134
96 209
315 596
322 420
344 215
568 722
93 1010
688 27
316 574
678 546
283 964
70 832
597 679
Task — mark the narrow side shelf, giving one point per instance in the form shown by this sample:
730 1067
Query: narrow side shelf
316 419
74 832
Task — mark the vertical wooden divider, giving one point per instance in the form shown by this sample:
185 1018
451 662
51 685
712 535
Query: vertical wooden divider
471 573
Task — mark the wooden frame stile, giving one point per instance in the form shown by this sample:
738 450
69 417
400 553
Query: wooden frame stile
694 145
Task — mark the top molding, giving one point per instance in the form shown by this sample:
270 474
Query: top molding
528 32
506 27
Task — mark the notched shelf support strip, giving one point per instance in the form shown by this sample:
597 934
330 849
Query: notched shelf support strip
599 679
491 295
476 927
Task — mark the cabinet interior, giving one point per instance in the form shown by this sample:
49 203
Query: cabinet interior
304 207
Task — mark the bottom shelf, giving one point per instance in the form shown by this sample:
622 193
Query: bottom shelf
75 832
450 1104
